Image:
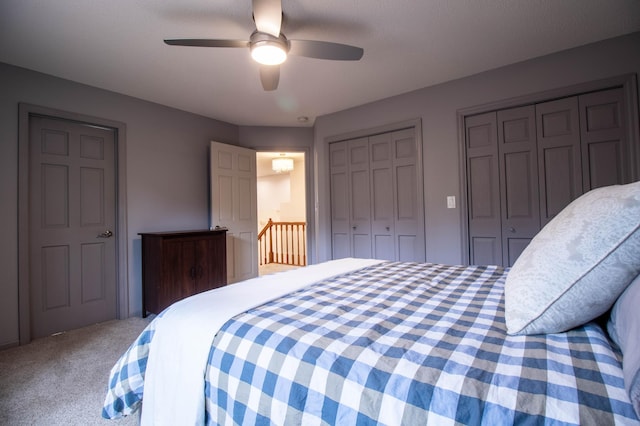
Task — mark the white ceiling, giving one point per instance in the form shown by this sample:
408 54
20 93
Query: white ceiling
408 44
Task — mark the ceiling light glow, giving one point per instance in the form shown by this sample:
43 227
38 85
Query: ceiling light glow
281 164
267 53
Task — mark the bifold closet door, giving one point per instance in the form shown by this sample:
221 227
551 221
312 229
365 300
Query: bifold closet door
382 197
397 213
339 200
604 146
408 197
502 184
523 167
483 190
559 156
350 199
359 197
377 198
518 163
526 164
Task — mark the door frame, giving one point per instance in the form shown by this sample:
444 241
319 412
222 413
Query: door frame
308 190
629 86
25 112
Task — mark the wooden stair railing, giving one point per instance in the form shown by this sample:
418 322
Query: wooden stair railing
283 243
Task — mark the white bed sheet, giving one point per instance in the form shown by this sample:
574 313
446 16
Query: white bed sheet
180 346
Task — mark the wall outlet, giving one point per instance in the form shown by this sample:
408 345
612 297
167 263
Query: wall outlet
451 201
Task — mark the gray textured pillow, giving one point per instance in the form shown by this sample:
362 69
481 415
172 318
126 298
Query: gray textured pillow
624 329
578 264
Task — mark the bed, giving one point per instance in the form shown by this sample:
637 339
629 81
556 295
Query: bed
362 341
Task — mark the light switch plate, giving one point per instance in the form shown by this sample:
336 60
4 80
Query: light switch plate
451 201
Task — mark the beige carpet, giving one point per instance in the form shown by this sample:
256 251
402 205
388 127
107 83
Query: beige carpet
273 268
62 379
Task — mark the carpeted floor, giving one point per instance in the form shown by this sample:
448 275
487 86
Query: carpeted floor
272 268
62 379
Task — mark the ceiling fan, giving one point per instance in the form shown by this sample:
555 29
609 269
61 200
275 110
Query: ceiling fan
269 47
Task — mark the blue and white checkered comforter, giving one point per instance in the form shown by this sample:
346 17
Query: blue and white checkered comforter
398 343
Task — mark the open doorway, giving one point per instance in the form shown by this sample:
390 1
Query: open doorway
282 221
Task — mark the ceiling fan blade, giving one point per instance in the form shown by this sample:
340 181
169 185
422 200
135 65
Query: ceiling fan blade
269 76
203 42
325 50
268 16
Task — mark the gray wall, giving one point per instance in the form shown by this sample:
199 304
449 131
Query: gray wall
275 138
437 107
166 168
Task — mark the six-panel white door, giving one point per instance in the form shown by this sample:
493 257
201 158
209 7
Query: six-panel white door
234 206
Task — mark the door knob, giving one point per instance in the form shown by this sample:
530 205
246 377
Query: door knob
105 234
512 229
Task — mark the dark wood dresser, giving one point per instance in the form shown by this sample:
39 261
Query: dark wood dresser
179 264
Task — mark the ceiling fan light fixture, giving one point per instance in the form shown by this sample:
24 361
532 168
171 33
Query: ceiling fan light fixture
266 53
270 48
267 49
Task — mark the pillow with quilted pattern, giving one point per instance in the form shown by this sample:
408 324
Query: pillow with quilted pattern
624 329
575 268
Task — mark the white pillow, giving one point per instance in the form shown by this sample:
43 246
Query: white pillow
624 329
578 264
